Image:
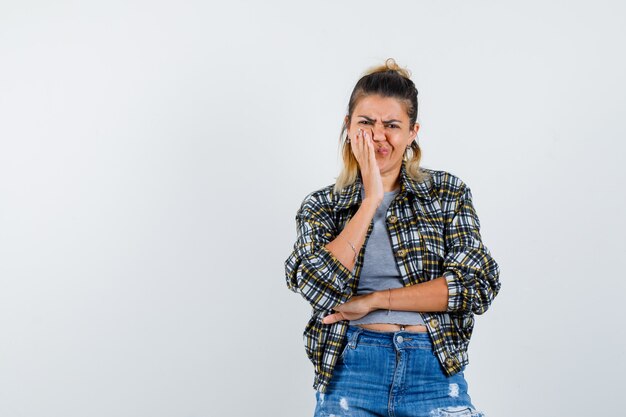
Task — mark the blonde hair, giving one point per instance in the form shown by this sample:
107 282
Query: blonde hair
387 80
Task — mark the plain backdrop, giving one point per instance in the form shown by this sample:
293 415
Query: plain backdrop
153 155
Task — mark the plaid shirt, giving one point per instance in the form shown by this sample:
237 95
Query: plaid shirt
434 232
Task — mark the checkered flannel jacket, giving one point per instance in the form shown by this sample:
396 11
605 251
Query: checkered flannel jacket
434 232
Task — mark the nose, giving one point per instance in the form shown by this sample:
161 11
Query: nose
378 132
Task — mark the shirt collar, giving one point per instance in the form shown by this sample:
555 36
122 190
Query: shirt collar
351 194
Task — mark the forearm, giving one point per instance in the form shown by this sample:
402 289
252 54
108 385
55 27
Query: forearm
354 232
427 296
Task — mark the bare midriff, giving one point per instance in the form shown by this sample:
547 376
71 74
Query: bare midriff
389 327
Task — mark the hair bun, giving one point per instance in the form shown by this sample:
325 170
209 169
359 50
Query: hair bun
390 65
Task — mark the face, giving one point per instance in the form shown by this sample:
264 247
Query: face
387 120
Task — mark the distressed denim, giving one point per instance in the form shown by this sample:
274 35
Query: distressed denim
393 374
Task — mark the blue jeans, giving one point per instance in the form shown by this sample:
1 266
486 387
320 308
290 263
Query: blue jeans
393 374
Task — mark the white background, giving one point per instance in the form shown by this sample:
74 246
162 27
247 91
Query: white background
153 155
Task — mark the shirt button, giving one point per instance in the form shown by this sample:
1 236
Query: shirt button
434 323
450 361
400 339
401 253
392 219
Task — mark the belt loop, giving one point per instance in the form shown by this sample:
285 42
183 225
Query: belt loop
354 338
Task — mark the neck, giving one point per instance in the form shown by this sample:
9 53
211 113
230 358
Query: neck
391 180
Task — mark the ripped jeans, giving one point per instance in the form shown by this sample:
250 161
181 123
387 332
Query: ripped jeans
392 374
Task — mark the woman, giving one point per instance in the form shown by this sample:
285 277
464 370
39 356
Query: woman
391 260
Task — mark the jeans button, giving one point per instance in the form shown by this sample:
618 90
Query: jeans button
399 339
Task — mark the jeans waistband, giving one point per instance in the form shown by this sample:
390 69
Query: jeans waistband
356 335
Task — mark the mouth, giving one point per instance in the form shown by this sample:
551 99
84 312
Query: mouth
382 151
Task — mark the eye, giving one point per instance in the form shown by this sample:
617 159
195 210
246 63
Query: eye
393 126
364 122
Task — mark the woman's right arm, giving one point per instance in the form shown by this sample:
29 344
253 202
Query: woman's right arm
319 268
354 232
320 265
356 229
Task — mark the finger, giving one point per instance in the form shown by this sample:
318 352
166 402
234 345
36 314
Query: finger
370 146
372 154
330 319
372 151
363 147
358 146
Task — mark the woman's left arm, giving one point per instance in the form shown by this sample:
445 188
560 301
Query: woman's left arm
426 296
471 273
470 279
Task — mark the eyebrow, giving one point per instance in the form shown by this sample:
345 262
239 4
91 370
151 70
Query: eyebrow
384 121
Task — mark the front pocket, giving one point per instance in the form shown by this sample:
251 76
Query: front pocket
432 240
433 252
343 351
435 246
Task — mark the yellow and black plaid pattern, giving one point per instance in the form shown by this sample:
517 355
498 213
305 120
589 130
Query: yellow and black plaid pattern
434 232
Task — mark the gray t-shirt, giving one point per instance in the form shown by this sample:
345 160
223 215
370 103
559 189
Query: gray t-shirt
380 271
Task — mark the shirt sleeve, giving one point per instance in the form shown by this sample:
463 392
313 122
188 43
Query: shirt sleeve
470 271
311 269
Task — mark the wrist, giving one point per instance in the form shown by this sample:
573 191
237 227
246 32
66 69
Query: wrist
370 204
380 300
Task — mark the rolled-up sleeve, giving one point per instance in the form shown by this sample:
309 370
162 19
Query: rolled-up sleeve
471 273
311 269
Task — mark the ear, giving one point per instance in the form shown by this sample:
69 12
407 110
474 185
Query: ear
413 133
